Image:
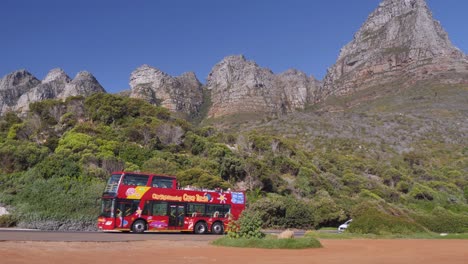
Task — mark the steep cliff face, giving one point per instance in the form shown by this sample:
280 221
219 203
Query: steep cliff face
241 86
399 41
84 84
19 89
178 94
12 86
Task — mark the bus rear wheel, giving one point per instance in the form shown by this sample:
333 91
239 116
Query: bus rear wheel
200 228
217 228
139 226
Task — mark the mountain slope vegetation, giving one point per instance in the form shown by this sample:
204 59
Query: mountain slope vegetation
307 170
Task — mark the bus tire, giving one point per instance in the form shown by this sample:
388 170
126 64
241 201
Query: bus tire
217 228
200 228
139 226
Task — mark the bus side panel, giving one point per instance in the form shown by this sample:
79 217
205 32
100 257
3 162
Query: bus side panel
158 222
236 210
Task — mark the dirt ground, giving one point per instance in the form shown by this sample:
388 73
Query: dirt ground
334 251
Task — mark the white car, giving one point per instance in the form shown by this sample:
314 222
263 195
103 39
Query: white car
343 227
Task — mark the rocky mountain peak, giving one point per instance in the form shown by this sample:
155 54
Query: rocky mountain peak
12 86
20 88
18 78
178 94
189 76
56 74
146 74
399 40
83 84
239 86
84 75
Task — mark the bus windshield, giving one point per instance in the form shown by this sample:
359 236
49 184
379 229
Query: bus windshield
106 208
113 184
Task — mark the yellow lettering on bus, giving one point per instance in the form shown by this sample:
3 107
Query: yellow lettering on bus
202 198
189 198
164 197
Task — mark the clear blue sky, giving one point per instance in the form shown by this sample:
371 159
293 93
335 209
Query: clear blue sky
110 38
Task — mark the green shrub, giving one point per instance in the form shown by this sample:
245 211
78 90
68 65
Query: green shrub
9 119
57 166
20 155
248 226
232 168
380 218
8 220
325 210
160 165
403 186
422 192
299 214
442 220
465 193
201 178
58 198
368 194
271 209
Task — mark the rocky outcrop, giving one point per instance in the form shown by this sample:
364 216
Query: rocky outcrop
19 89
239 86
178 94
84 84
400 41
12 86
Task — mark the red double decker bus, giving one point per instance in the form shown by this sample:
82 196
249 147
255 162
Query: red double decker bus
140 202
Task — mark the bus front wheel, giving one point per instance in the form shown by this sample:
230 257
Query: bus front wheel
217 228
139 226
200 228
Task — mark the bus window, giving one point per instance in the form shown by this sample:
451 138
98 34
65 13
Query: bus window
159 209
162 182
112 184
126 207
135 179
146 208
106 208
217 210
194 210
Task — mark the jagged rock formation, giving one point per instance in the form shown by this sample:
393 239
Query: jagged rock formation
178 94
84 84
400 41
20 88
12 86
241 86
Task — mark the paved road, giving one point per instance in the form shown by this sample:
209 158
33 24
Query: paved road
35 235
29 235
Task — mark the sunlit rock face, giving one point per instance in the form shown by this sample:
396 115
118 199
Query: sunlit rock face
241 86
20 88
178 94
399 41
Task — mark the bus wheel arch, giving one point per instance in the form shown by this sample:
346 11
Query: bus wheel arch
200 227
217 228
139 226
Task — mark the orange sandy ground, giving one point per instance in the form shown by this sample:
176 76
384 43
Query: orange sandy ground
334 251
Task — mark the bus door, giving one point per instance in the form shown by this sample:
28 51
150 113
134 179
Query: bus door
124 209
158 215
176 216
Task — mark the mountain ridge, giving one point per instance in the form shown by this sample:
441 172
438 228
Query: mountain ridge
399 43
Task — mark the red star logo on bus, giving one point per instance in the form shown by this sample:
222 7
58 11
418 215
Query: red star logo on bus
222 198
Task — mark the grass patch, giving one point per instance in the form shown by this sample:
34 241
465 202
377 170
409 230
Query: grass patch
347 235
328 229
269 243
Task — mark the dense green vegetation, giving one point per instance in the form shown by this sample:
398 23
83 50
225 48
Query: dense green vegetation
55 160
